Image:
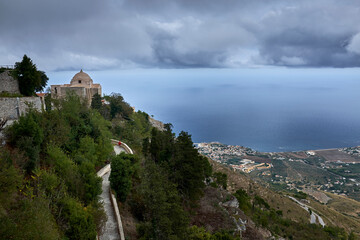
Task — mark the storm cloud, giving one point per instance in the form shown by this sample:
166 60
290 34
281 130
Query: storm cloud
113 34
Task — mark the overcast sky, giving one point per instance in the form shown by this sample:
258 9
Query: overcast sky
117 34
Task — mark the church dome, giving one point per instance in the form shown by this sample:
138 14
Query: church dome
81 78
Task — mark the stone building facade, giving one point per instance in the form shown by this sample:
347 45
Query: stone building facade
8 83
81 84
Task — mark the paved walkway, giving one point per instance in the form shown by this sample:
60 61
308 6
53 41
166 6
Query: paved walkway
111 231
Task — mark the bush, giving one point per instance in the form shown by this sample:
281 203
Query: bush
244 200
27 135
221 179
121 174
79 223
199 233
29 219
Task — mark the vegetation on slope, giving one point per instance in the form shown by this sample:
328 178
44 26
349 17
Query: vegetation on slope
279 214
48 173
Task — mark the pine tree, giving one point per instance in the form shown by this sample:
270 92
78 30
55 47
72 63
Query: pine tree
29 78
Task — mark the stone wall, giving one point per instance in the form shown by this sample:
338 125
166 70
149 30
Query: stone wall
8 106
8 83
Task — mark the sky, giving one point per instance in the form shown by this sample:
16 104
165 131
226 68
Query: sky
62 35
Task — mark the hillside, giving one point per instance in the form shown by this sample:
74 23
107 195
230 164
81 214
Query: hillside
340 211
165 190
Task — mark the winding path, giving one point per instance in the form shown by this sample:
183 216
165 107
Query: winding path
313 215
113 228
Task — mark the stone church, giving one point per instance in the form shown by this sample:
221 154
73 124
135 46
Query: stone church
81 84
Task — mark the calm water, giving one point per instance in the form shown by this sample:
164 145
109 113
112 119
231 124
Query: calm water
265 109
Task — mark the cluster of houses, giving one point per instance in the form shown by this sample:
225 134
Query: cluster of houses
249 166
221 153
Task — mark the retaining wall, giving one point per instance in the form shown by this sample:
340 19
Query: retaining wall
8 106
8 83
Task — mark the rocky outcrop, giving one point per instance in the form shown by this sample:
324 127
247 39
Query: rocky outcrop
156 124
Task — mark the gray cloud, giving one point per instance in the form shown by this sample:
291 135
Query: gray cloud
61 35
354 44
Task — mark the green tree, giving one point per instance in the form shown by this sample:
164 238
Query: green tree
91 182
133 131
164 216
79 223
87 149
29 218
66 169
221 179
96 102
198 233
121 174
29 78
260 202
118 107
162 146
48 99
244 200
27 134
189 169
10 179
43 81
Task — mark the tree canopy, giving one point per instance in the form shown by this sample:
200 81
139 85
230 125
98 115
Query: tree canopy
96 102
29 77
122 170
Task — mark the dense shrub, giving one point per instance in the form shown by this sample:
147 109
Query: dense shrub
78 222
220 179
121 173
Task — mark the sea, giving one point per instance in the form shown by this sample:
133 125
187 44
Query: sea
267 109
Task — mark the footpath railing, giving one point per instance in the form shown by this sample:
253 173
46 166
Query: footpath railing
123 145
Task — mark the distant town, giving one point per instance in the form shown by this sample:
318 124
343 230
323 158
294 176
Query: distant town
235 156
314 172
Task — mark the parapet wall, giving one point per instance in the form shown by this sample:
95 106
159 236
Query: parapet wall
8 106
127 149
8 83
